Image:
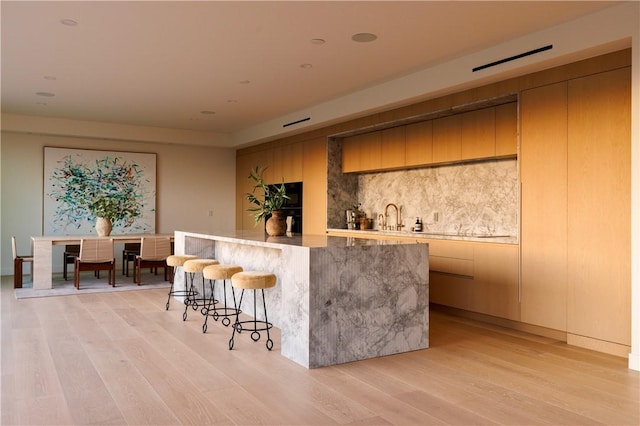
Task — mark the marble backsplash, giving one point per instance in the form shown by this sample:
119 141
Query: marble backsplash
473 198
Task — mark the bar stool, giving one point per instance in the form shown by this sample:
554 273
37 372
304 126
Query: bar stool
253 280
176 261
193 267
224 273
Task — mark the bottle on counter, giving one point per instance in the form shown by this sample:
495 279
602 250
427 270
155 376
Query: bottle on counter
417 227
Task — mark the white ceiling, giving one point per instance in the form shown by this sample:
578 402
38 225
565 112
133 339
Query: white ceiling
161 64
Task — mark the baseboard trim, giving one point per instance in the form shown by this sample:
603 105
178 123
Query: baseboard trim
598 345
503 322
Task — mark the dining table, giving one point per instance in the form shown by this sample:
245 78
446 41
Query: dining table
43 252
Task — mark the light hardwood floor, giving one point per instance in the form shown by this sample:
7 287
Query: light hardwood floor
120 358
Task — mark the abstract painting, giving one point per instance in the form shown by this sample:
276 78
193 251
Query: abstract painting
76 180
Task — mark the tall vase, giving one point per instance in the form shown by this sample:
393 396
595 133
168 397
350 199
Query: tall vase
276 225
103 227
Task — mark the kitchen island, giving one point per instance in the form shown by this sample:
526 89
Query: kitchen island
337 299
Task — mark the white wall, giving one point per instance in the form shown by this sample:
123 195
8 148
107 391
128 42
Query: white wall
191 181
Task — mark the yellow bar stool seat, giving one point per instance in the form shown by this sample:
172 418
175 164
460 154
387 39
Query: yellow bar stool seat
224 273
194 298
174 262
253 280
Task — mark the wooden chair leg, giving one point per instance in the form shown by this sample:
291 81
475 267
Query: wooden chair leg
17 273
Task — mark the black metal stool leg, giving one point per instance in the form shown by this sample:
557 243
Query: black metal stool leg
237 326
188 301
269 343
255 331
207 309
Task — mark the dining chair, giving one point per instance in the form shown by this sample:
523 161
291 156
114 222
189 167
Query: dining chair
153 254
71 251
129 253
96 254
18 261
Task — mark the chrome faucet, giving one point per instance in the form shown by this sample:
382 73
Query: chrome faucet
398 226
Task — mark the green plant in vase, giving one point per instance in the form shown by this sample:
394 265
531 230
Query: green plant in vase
268 201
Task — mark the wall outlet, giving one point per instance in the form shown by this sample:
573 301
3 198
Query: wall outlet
435 217
210 212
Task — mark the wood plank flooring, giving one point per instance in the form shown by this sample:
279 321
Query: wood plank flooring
120 358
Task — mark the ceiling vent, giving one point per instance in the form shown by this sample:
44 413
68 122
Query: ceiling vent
512 58
297 122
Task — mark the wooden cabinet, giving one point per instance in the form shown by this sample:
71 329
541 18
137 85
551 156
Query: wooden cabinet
392 148
447 139
599 207
543 236
495 283
575 236
314 187
362 152
244 164
419 143
478 134
483 133
477 277
506 129
286 163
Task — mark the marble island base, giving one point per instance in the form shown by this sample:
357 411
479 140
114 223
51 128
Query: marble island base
336 299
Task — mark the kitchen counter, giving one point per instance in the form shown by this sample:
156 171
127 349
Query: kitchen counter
337 299
482 238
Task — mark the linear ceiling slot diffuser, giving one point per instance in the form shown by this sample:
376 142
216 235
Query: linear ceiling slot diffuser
512 58
296 122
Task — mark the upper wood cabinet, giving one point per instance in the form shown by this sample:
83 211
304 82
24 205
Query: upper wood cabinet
418 143
393 147
447 139
478 134
362 152
506 129
483 133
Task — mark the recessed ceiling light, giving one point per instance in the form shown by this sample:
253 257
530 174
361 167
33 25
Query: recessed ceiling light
206 112
364 37
317 41
306 66
46 94
68 22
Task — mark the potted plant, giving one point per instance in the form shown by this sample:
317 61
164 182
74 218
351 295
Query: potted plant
106 211
273 198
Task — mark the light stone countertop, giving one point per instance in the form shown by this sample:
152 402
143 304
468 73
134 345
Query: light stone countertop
501 239
259 238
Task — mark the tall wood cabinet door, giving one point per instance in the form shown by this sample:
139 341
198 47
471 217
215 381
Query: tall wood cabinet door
507 129
393 147
543 237
447 139
244 163
600 206
419 143
478 134
314 187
